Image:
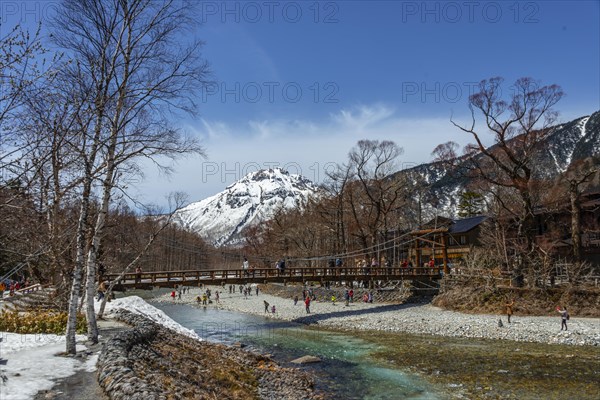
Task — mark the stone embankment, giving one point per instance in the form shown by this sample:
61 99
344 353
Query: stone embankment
150 362
115 375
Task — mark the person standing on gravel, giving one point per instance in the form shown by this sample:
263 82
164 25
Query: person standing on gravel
307 304
509 309
266 306
564 316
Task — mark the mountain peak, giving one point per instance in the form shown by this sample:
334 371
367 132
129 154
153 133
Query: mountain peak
255 198
271 173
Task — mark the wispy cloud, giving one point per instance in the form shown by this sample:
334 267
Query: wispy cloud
363 117
302 146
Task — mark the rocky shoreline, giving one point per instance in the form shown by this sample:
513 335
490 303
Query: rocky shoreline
397 316
145 359
150 361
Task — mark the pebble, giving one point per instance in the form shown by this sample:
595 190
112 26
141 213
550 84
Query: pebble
406 318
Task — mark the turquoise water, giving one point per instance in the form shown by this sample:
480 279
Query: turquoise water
346 369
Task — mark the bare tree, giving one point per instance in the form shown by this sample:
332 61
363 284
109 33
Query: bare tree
19 56
446 153
130 58
332 208
519 124
176 200
375 194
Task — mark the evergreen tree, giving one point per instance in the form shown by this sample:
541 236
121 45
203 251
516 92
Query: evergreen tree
471 204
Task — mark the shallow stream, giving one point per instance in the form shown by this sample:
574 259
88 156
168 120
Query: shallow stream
373 365
347 371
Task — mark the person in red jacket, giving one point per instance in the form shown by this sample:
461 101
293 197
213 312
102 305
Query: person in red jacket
307 304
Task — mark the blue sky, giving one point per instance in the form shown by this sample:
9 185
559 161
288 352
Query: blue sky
299 83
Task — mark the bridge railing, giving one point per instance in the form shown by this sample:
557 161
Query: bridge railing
306 273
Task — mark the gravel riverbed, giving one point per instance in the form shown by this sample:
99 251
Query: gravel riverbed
413 318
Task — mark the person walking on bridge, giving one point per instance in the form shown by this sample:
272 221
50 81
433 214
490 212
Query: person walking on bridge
138 275
246 266
282 266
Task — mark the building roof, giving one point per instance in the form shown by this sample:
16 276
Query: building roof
437 222
466 224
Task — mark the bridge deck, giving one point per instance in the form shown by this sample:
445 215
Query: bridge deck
270 275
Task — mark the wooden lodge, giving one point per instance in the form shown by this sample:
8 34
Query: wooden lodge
553 225
445 240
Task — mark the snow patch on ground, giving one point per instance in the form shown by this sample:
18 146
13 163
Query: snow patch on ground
33 363
138 306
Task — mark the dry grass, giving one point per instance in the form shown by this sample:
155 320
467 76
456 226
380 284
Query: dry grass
477 299
38 322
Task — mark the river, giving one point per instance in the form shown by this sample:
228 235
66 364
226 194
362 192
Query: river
372 365
346 369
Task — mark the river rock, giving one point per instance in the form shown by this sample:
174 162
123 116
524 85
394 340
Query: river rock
306 360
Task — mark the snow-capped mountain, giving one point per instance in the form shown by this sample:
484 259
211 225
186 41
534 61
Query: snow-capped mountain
220 219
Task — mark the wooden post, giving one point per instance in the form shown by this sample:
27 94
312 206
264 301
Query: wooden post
417 254
445 254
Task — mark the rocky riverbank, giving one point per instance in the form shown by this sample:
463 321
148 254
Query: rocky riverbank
150 361
408 317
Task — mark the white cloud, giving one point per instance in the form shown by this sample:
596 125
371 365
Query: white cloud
363 117
302 146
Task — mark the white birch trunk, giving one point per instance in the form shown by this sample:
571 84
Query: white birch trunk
76 284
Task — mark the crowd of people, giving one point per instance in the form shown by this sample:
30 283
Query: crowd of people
335 266
308 296
11 286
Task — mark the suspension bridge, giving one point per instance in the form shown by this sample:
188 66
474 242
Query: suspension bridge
169 279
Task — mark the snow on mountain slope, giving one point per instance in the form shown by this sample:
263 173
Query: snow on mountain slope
220 219
566 143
